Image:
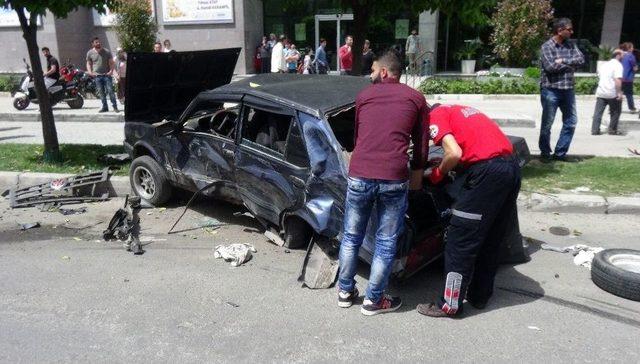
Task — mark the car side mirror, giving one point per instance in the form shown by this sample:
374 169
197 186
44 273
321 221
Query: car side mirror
166 128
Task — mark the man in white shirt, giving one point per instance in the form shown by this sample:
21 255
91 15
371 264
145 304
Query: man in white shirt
609 92
412 48
278 64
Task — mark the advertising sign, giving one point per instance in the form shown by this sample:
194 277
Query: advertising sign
301 31
402 28
197 11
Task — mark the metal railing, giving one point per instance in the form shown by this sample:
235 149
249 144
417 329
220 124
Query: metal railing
421 70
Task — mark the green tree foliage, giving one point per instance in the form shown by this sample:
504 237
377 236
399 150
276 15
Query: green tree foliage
135 26
28 12
520 28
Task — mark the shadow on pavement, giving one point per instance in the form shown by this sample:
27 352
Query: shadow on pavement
16 137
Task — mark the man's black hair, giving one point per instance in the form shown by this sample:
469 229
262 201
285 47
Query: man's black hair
322 40
45 49
391 62
560 23
94 39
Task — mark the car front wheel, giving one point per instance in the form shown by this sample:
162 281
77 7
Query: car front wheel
148 180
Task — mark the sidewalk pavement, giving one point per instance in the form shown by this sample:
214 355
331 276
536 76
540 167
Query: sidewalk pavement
516 114
566 202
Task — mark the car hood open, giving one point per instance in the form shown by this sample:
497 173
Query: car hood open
161 85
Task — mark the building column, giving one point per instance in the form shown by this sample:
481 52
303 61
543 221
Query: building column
612 23
428 31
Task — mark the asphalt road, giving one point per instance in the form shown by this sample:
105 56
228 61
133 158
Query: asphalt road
66 296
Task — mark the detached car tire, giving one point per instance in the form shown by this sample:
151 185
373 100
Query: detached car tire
148 180
617 271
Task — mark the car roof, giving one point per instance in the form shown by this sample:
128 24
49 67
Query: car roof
315 94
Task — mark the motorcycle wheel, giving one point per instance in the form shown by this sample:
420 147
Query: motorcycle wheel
76 103
21 103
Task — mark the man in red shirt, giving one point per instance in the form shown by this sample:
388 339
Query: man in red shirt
388 115
345 56
483 156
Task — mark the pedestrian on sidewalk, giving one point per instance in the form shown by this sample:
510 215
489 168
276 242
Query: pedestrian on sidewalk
482 155
167 46
345 56
277 56
322 64
121 72
264 50
367 58
292 56
157 47
559 60
100 65
412 49
630 67
609 93
388 115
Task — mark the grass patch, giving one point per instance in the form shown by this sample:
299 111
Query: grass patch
77 158
606 176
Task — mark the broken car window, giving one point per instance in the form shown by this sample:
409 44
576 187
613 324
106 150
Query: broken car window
266 129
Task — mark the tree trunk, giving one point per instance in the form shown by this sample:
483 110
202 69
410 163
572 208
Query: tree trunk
29 32
361 11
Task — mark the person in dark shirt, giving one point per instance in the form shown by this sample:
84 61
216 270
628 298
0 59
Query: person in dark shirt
388 115
367 58
53 68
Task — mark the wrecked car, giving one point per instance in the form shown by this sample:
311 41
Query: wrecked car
278 144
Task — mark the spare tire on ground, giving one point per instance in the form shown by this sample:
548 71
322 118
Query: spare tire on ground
617 271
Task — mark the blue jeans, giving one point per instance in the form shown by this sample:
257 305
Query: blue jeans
390 198
551 99
104 84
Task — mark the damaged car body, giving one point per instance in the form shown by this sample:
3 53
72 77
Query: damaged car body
279 144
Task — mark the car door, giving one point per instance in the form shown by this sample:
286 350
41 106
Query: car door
271 162
205 147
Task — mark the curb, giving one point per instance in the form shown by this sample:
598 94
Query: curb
487 97
118 186
575 203
96 118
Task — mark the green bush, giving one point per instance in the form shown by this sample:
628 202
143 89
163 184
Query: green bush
532 72
586 86
6 84
490 86
502 86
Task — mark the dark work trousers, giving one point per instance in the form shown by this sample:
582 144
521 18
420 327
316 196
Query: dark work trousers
265 65
615 107
477 228
627 90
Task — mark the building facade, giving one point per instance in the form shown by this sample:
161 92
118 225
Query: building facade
213 24
189 24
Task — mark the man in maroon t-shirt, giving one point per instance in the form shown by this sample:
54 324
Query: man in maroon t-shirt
388 115
483 155
345 56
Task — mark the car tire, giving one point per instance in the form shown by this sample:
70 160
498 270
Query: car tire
149 181
617 271
76 103
21 103
297 233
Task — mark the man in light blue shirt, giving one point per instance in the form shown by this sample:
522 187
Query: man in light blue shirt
321 58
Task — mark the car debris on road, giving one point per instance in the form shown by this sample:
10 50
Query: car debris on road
237 254
125 226
61 191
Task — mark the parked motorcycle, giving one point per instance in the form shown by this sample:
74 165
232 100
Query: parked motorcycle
61 91
86 84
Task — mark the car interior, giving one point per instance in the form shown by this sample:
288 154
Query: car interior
214 118
266 129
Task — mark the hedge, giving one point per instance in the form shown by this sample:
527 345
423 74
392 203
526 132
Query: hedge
499 86
7 84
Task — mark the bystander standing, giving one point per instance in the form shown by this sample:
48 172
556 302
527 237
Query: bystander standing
121 72
388 115
345 56
322 64
157 47
292 57
277 56
100 65
167 46
412 48
559 59
609 93
630 67
264 51
367 58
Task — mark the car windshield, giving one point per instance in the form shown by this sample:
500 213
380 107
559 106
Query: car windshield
342 123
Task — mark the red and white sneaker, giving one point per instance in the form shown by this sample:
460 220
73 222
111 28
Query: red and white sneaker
386 304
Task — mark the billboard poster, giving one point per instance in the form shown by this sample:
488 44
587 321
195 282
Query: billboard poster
402 28
301 31
197 11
